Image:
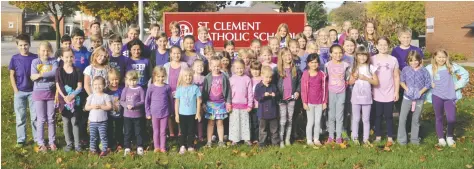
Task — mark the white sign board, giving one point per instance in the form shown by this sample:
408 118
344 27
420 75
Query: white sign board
430 25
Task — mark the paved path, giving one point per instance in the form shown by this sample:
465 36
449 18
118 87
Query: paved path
9 49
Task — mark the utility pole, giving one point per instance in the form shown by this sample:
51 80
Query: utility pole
140 18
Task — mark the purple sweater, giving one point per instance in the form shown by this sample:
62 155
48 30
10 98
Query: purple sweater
134 97
43 88
415 81
158 101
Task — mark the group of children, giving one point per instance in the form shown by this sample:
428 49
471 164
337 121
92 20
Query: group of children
252 94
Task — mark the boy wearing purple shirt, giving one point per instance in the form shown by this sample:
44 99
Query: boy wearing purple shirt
20 72
81 54
118 61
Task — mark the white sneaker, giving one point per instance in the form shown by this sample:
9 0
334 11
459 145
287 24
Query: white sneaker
182 150
282 144
213 138
309 143
442 142
126 152
140 151
450 141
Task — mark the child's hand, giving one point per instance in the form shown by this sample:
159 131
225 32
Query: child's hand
273 94
396 97
297 95
228 107
198 117
173 93
305 106
97 106
249 109
176 118
432 85
363 77
325 106
148 117
267 94
129 107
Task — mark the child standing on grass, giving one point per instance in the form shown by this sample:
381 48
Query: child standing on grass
138 63
216 93
187 109
386 93
198 80
266 93
363 77
314 95
43 71
157 107
338 72
446 90
242 100
69 85
20 71
415 80
288 83
99 67
115 118
98 104
133 100
255 69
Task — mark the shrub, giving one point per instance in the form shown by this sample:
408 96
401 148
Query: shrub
37 36
458 57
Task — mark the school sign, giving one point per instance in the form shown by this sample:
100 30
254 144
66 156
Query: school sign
238 27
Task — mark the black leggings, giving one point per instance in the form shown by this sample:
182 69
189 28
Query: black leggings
187 124
385 109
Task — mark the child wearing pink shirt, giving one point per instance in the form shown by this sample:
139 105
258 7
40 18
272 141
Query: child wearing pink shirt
255 71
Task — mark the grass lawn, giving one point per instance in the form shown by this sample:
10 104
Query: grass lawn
427 155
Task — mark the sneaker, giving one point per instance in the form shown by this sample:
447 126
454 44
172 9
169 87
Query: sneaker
339 141
226 138
190 149
213 138
317 143
450 141
103 153
356 142
209 144
157 150
309 143
234 144
282 145
163 150
43 149
366 142
287 142
53 147
182 150
140 151
221 144
68 148
126 152
330 140
249 143
118 148
78 149
19 145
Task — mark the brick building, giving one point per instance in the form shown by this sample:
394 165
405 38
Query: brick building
12 20
453 27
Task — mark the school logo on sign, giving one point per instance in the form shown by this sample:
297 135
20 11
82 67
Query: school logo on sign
186 28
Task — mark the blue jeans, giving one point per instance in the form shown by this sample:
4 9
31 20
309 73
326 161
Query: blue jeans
19 105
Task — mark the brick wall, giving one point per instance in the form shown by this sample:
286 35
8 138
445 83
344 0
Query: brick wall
449 17
14 18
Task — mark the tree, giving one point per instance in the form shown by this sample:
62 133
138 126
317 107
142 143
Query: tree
293 6
316 14
59 10
349 11
153 10
397 14
120 13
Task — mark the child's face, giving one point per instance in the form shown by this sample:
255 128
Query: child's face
188 78
349 47
136 51
266 78
132 82
67 58
132 34
332 36
95 29
294 48
250 58
208 55
246 59
354 34
225 62
215 66
203 35
198 67
154 31
98 86
287 58
274 45
175 54
114 81
43 52
307 31
313 65
370 28
101 57
414 63
440 58
96 43
255 72
188 44
239 69
116 47
362 58
160 78
162 42
302 43
66 44
255 47
266 57
23 47
405 39
282 32
336 54
174 31
230 49
77 41
382 46
323 36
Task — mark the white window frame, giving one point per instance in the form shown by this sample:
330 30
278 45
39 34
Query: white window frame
11 25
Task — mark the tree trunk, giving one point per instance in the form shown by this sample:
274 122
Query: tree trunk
58 33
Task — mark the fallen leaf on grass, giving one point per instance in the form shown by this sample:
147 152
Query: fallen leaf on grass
305 164
438 147
218 164
59 160
462 139
108 165
343 146
235 152
36 149
243 154
4 163
357 166
389 144
468 166
200 156
422 159
387 149
322 165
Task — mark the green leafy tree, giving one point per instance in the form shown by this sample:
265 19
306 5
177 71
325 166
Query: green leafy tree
59 10
120 13
349 11
153 10
293 6
316 15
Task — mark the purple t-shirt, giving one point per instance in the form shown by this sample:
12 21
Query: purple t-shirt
189 59
175 42
81 58
44 87
134 97
199 46
162 58
120 63
157 100
198 81
402 54
173 78
287 84
316 87
444 84
323 57
125 52
141 66
22 67
216 94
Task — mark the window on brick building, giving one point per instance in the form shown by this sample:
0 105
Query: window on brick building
10 25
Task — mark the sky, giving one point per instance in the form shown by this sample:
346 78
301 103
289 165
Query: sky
328 4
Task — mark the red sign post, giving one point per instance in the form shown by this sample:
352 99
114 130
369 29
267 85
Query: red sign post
238 27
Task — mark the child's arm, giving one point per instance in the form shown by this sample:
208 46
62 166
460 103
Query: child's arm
259 93
249 95
51 73
298 81
108 104
87 82
148 102
176 110
123 98
396 79
13 81
141 102
198 111
88 106
460 71
34 72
